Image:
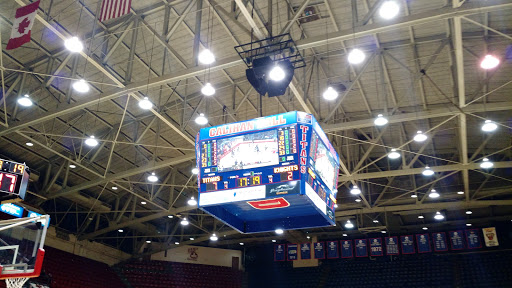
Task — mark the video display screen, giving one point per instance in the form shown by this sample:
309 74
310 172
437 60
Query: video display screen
248 151
324 164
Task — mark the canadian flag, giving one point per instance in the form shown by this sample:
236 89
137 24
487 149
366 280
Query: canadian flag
22 25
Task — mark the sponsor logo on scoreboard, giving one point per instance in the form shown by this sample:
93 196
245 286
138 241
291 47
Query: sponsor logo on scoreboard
269 204
232 195
304 118
260 123
282 188
211 179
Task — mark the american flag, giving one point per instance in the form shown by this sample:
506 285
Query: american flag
111 9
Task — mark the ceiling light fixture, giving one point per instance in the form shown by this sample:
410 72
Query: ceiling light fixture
72 166
148 241
439 216
309 237
383 232
114 187
489 62
421 216
25 101
358 200
214 237
469 212
389 10
349 225
375 221
427 171
120 230
414 196
274 241
279 231
143 202
152 178
176 243
420 137
241 244
469 224
277 73
208 90
345 235
393 154
460 192
184 222
335 206
201 120
330 94
192 201
433 194
91 141
425 228
356 56
486 163
145 103
355 190
206 57
195 171
74 44
489 126
380 120
192 238
29 144
81 86
170 216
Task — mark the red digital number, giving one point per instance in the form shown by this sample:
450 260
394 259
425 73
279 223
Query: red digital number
13 182
290 175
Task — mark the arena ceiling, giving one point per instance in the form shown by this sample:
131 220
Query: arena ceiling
421 71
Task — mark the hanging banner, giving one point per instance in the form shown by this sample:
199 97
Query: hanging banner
279 252
376 247
361 248
319 250
392 245
332 249
473 239
456 241
423 242
490 237
407 244
439 240
293 252
346 249
305 251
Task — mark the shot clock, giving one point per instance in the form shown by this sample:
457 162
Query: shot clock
13 180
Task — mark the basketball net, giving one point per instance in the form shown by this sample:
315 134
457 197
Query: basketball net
15 282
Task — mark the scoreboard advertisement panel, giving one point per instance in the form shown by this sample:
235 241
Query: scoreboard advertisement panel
273 172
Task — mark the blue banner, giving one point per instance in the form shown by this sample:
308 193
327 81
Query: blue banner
279 252
407 244
392 245
423 242
361 248
35 214
319 250
456 241
376 247
305 251
11 209
346 249
332 249
473 239
293 252
439 240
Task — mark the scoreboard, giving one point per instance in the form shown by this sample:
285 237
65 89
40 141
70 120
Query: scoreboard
270 168
13 180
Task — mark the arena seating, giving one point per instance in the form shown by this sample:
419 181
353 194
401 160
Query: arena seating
162 274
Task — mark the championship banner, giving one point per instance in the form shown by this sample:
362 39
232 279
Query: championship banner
407 244
376 247
279 252
319 250
361 248
473 239
439 240
392 245
332 249
293 253
456 241
346 249
423 242
490 237
305 251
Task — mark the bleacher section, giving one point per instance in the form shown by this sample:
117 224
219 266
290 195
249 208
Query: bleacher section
162 274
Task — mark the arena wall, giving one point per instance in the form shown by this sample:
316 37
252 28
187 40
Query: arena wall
199 255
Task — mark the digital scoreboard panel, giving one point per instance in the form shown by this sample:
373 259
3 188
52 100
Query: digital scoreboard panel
281 161
13 179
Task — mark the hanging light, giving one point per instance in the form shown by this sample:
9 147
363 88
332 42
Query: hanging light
383 232
241 244
195 171
277 73
358 200
309 237
335 206
148 241
120 230
152 177
375 221
389 10
192 201
460 192
433 194
425 228
143 202
214 237
74 44
170 216
91 141
72 166
393 154
469 212
81 86
490 62
427 171
145 104
439 216
414 196
114 187
208 89
380 120
25 101
206 57
176 243
356 56
184 222
486 164
192 238
279 231
201 119
489 126
274 241
469 224
29 144
421 216
355 190
420 137
345 235
330 94
349 225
